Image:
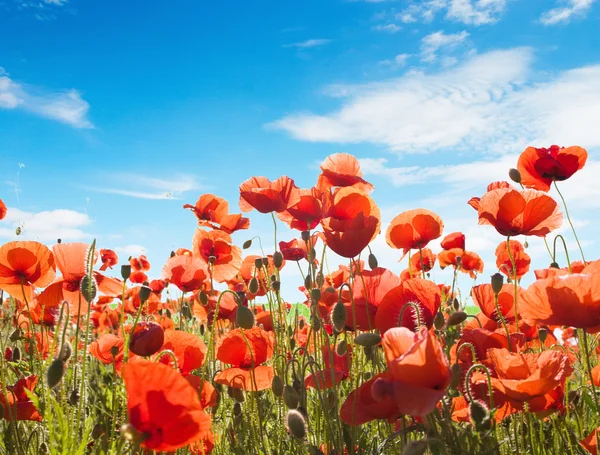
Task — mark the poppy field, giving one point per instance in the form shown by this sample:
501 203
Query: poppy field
98 358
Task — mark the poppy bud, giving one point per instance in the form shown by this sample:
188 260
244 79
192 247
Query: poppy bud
415 448
258 263
88 288
342 348
247 244
301 324
308 282
203 298
173 254
372 261
238 395
542 334
202 329
316 323
276 285
278 259
456 303
368 339
244 317
147 338
131 434
253 285
186 312
296 424
305 235
277 386
65 351
297 385
514 175
145 291
74 397
554 265
265 262
43 449
237 409
114 351
320 279
125 271
458 317
480 415
290 397
497 282
315 294
338 317
456 376
526 244
292 344
15 335
16 354
439 321
8 354
55 373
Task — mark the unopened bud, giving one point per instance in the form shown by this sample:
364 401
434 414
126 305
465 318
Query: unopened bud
277 386
338 317
308 282
276 285
55 373
247 244
514 175
554 265
372 261
458 317
244 317
238 395
305 235
368 339
203 296
126 271
439 321
65 351
315 294
290 397
497 282
88 288
74 397
258 263
253 285
296 424
265 261
16 354
456 375
341 348
278 259
480 415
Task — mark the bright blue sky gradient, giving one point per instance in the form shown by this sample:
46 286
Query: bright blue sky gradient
110 105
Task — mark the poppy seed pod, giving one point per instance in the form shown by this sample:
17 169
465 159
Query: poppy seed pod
315 294
368 339
253 285
305 235
514 175
88 288
65 351
247 244
145 292
296 424
439 321
258 263
147 338
338 317
278 259
125 271
542 334
554 265
458 317
372 261
276 285
341 348
277 386
55 373
244 317
15 335
497 282
415 448
480 415
290 397
212 259
16 354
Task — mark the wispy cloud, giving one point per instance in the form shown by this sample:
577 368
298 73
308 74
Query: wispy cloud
433 42
397 62
144 187
388 28
309 43
65 106
45 226
490 103
564 14
470 12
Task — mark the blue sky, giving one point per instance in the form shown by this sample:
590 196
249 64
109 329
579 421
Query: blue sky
114 114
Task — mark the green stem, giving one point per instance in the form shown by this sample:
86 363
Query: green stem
570 222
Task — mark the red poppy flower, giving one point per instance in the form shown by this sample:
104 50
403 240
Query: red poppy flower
424 293
163 407
186 272
25 266
189 350
108 258
71 261
208 394
3 210
571 300
590 442
413 229
147 338
335 369
16 404
539 167
418 371
361 407
294 250
265 196
213 211
525 212
353 220
454 240
216 248
369 289
246 350
308 211
520 257
342 170
474 201
423 261
108 349
576 267
484 298
465 261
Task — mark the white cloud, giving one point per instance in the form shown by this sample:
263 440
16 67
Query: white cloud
433 42
475 12
46 226
563 14
131 250
489 104
389 28
309 43
142 187
397 62
65 106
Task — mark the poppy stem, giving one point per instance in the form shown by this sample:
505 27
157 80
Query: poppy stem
588 364
566 251
548 249
514 277
502 320
421 261
570 222
479 366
